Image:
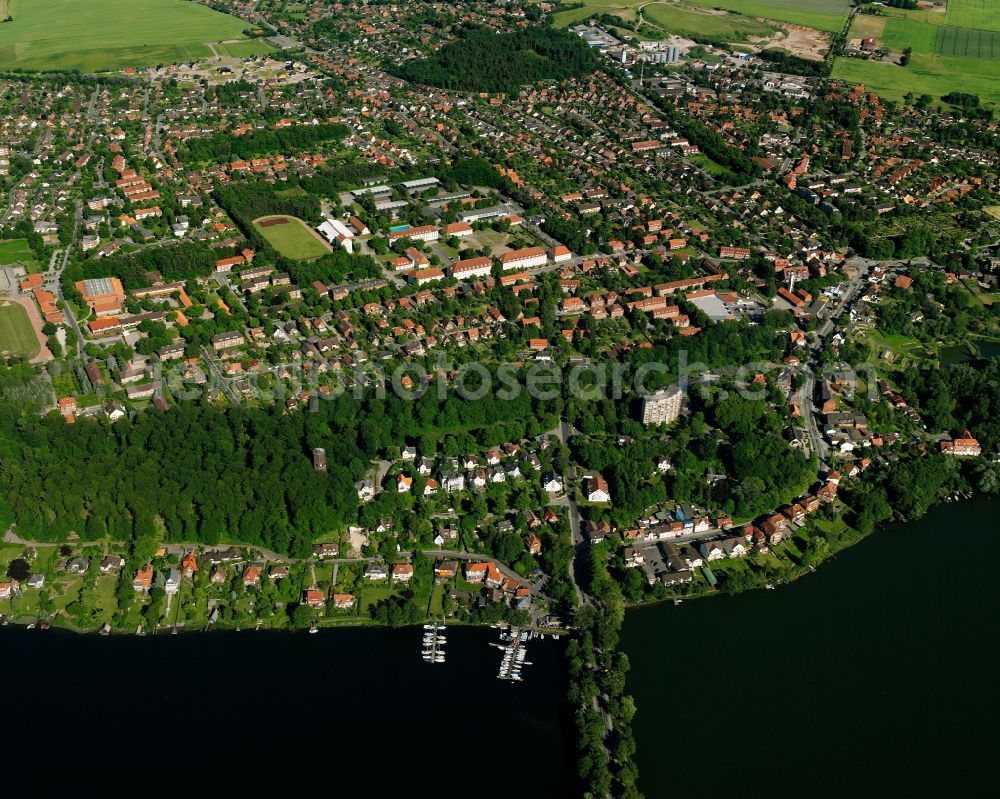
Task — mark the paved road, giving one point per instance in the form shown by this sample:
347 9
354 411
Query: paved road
568 500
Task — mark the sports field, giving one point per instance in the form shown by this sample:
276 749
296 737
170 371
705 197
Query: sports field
292 237
94 35
17 336
15 251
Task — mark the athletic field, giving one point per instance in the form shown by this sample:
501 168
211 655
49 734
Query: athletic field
15 251
291 237
93 35
17 336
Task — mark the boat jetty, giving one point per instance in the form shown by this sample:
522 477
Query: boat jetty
512 644
434 641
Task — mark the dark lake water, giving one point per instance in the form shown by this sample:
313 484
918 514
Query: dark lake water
962 354
349 712
876 676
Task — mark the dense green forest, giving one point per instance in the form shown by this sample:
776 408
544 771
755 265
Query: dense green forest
222 147
966 395
197 473
483 61
183 261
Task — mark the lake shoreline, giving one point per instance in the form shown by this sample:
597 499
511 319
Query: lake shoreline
861 664
355 624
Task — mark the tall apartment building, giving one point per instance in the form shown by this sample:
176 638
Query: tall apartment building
662 407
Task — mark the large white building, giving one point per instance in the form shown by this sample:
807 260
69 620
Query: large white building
525 258
336 232
471 267
421 233
662 407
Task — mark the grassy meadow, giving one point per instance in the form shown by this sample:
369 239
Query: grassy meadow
96 35
695 22
679 15
15 251
958 50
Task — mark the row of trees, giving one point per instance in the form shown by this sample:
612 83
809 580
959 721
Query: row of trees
597 675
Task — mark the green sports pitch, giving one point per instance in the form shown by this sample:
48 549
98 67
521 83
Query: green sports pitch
15 251
17 336
96 35
291 237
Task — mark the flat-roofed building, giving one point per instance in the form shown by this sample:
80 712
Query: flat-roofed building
662 407
104 295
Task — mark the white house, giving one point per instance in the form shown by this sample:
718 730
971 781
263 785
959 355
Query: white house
596 488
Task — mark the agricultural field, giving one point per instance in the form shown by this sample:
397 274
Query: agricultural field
17 336
982 14
926 74
291 237
967 42
901 33
823 15
692 21
108 34
958 50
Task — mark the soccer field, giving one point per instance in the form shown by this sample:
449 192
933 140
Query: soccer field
293 238
93 35
17 336
13 251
